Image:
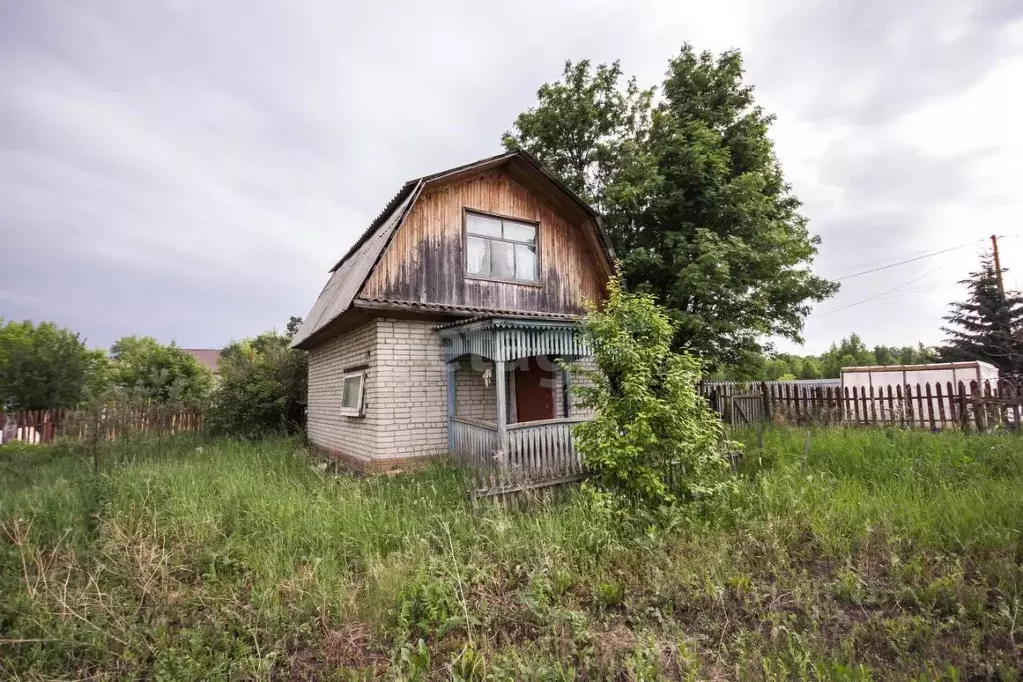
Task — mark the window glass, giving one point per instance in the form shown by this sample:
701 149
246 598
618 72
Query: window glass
482 225
350 397
502 249
519 232
525 262
502 260
478 262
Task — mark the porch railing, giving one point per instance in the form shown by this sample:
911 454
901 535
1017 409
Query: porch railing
535 449
474 443
544 447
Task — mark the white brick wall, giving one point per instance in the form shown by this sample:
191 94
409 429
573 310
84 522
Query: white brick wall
352 436
574 408
405 392
413 387
473 398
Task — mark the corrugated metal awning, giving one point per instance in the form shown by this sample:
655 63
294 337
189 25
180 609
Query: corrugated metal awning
510 338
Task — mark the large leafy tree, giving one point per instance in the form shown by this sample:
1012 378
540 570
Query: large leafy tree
692 194
45 367
988 325
142 368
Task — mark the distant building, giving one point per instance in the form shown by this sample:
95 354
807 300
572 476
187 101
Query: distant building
939 381
209 357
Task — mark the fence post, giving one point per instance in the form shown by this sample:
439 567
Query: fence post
964 412
930 406
979 414
767 401
941 405
993 409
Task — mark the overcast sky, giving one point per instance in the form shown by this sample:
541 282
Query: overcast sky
191 169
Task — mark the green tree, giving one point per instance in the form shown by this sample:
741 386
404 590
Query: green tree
45 367
849 352
886 355
812 369
692 193
988 325
654 440
263 386
144 369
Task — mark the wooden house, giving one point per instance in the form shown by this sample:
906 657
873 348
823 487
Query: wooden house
438 331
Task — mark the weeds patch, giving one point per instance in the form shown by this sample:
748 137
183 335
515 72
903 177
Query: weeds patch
895 555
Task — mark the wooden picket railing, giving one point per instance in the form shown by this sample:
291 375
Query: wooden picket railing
544 448
43 426
474 443
933 405
539 454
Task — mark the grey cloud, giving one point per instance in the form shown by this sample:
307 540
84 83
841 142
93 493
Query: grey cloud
190 169
225 154
866 62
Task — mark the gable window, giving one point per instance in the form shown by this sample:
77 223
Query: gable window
352 389
499 248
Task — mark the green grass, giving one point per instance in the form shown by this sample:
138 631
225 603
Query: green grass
895 555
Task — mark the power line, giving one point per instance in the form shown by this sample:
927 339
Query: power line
885 293
880 261
910 260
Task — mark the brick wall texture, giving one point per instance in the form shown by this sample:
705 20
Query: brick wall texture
405 415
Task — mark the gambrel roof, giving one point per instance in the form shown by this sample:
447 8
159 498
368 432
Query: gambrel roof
350 273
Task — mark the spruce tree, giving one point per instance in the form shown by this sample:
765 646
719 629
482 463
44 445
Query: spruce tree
987 326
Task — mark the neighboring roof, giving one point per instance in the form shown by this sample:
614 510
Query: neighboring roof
210 357
350 273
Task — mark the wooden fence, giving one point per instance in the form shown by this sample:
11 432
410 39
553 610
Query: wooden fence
43 426
935 405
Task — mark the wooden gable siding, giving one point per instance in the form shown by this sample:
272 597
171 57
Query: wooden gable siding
425 261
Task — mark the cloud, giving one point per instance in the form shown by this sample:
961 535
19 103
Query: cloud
191 169
18 299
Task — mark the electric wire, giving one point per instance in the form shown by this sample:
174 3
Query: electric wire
910 260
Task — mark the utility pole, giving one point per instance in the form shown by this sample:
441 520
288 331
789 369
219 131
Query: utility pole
998 265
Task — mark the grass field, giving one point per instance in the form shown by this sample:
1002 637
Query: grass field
894 555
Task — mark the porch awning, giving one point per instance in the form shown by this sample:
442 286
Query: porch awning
509 338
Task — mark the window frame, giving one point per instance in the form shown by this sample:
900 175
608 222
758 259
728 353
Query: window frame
466 212
359 410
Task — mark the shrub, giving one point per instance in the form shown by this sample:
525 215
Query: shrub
143 369
44 366
654 441
262 389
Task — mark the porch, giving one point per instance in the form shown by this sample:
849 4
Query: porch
509 408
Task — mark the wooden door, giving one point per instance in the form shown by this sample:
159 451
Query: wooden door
534 393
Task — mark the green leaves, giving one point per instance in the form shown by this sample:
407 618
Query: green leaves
653 441
262 388
691 193
44 366
145 369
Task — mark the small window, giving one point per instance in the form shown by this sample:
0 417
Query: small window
351 394
501 249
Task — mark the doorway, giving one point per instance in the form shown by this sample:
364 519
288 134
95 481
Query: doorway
534 391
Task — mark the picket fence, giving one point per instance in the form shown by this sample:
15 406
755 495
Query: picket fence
982 407
43 426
